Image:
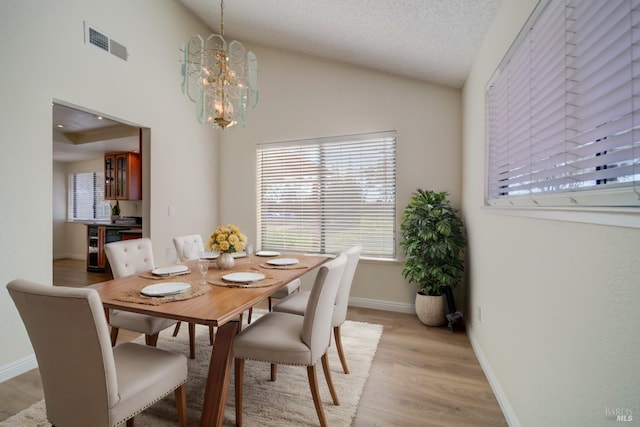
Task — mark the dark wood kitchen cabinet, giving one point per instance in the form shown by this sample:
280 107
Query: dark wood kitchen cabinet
122 176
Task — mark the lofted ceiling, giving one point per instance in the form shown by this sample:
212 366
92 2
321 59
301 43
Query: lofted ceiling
429 40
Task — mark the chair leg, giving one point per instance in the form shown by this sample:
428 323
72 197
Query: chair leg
274 370
210 335
192 340
250 314
338 338
327 375
181 404
151 340
238 390
270 307
315 392
177 328
114 336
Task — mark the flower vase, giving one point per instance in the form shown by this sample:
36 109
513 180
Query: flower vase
225 261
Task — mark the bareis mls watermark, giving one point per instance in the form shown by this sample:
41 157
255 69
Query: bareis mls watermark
619 414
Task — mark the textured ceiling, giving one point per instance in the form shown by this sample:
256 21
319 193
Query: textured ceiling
430 40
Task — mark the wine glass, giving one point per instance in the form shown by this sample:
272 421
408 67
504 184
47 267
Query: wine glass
203 267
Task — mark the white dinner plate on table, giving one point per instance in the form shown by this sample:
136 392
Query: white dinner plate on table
164 289
169 270
208 255
243 277
267 253
283 261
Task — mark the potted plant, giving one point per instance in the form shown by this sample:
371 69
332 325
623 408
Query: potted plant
115 212
432 243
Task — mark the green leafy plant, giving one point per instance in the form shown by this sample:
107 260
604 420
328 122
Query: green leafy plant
432 242
115 209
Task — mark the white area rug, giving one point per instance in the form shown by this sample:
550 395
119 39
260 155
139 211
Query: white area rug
285 402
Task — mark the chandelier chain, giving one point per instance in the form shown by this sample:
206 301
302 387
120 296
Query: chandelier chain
222 18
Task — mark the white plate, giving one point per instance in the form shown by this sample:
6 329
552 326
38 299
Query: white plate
267 253
243 277
208 255
283 261
164 289
170 269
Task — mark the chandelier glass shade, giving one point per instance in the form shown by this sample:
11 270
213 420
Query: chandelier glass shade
221 78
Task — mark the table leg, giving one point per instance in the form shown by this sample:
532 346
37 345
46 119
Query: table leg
215 392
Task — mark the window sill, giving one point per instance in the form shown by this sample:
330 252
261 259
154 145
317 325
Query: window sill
617 217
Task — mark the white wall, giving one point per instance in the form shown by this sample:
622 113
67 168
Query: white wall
304 97
46 60
559 300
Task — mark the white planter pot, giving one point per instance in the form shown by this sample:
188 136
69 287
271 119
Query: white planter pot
430 309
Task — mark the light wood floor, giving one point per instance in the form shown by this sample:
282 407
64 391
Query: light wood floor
420 376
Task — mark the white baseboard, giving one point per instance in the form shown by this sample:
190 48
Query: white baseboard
18 367
382 305
503 401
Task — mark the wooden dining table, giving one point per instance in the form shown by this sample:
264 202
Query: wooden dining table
219 304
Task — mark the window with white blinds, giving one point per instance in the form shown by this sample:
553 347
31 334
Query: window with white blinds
563 108
86 197
324 195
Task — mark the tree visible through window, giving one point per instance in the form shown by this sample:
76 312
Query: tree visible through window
324 195
86 197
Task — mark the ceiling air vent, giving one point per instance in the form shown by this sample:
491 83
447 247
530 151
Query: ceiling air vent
99 39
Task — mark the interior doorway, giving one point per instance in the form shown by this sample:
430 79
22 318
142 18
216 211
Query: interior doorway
81 137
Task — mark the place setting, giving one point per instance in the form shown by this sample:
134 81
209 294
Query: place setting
161 293
282 263
166 272
242 279
168 290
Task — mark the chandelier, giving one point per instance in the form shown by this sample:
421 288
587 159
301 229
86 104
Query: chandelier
221 78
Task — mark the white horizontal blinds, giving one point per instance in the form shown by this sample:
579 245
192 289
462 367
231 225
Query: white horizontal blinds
547 96
508 115
600 94
86 197
323 195
583 108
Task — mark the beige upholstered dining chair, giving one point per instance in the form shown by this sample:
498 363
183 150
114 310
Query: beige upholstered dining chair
188 247
297 302
285 338
128 257
86 382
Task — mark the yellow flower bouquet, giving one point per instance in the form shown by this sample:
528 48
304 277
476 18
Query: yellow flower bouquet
227 239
